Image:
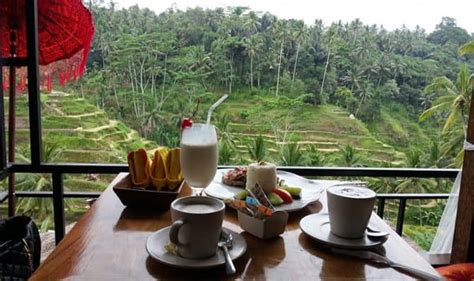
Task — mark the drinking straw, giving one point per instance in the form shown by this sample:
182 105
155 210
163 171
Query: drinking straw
211 109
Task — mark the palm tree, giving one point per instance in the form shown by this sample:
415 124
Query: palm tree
433 157
40 207
257 149
453 98
300 34
222 122
353 77
415 185
252 23
349 157
314 157
281 32
225 153
253 46
291 154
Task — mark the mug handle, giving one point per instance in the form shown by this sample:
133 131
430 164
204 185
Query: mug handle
175 227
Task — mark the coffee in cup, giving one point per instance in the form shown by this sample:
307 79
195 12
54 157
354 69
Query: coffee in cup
350 209
197 224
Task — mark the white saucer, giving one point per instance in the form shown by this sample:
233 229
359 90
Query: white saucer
155 246
317 227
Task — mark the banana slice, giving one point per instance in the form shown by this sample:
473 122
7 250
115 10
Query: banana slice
174 176
158 169
138 165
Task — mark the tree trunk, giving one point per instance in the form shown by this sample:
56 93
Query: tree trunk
362 98
132 81
251 72
279 68
294 66
325 72
231 62
164 78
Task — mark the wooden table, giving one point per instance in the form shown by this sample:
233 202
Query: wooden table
108 243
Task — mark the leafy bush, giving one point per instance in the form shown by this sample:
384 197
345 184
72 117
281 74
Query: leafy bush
291 154
256 149
225 153
244 114
313 157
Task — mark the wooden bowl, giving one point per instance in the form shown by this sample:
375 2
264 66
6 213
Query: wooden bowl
144 198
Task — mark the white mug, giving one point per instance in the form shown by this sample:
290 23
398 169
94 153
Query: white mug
197 225
350 209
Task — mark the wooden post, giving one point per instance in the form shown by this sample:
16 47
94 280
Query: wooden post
463 243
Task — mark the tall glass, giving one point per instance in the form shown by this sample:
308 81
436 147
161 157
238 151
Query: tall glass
199 156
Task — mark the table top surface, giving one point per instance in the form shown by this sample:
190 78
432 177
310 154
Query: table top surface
109 243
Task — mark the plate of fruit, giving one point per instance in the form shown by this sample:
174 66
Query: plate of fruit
286 191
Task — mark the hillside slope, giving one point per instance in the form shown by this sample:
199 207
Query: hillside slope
326 127
80 131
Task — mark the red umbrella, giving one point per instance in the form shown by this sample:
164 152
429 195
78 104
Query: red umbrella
65 31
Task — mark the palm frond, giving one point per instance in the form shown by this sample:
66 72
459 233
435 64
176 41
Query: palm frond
435 108
439 83
453 117
467 48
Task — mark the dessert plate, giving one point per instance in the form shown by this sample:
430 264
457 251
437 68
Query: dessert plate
155 246
310 190
317 227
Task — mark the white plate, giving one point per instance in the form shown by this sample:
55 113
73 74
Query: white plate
155 246
310 190
317 227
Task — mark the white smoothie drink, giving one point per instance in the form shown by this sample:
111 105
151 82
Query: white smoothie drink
199 155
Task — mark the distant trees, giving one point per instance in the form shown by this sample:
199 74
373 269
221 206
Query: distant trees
139 60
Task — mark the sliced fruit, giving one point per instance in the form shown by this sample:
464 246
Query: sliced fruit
241 195
275 199
284 195
294 191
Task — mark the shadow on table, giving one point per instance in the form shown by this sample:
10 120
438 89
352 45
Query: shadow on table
331 261
295 217
132 219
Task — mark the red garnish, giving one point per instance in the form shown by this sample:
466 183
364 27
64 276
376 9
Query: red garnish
186 123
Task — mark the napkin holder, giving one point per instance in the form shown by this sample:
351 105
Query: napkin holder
266 228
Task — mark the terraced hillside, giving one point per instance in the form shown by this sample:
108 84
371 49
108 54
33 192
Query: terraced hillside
81 132
326 127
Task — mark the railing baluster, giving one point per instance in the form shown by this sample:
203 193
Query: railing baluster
34 99
381 207
58 203
401 215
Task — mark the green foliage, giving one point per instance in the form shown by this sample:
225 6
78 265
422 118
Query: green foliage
429 215
349 157
291 154
256 149
313 157
422 235
467 48
226 153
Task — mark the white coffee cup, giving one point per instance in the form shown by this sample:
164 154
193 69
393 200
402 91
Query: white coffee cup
197 225
350 209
